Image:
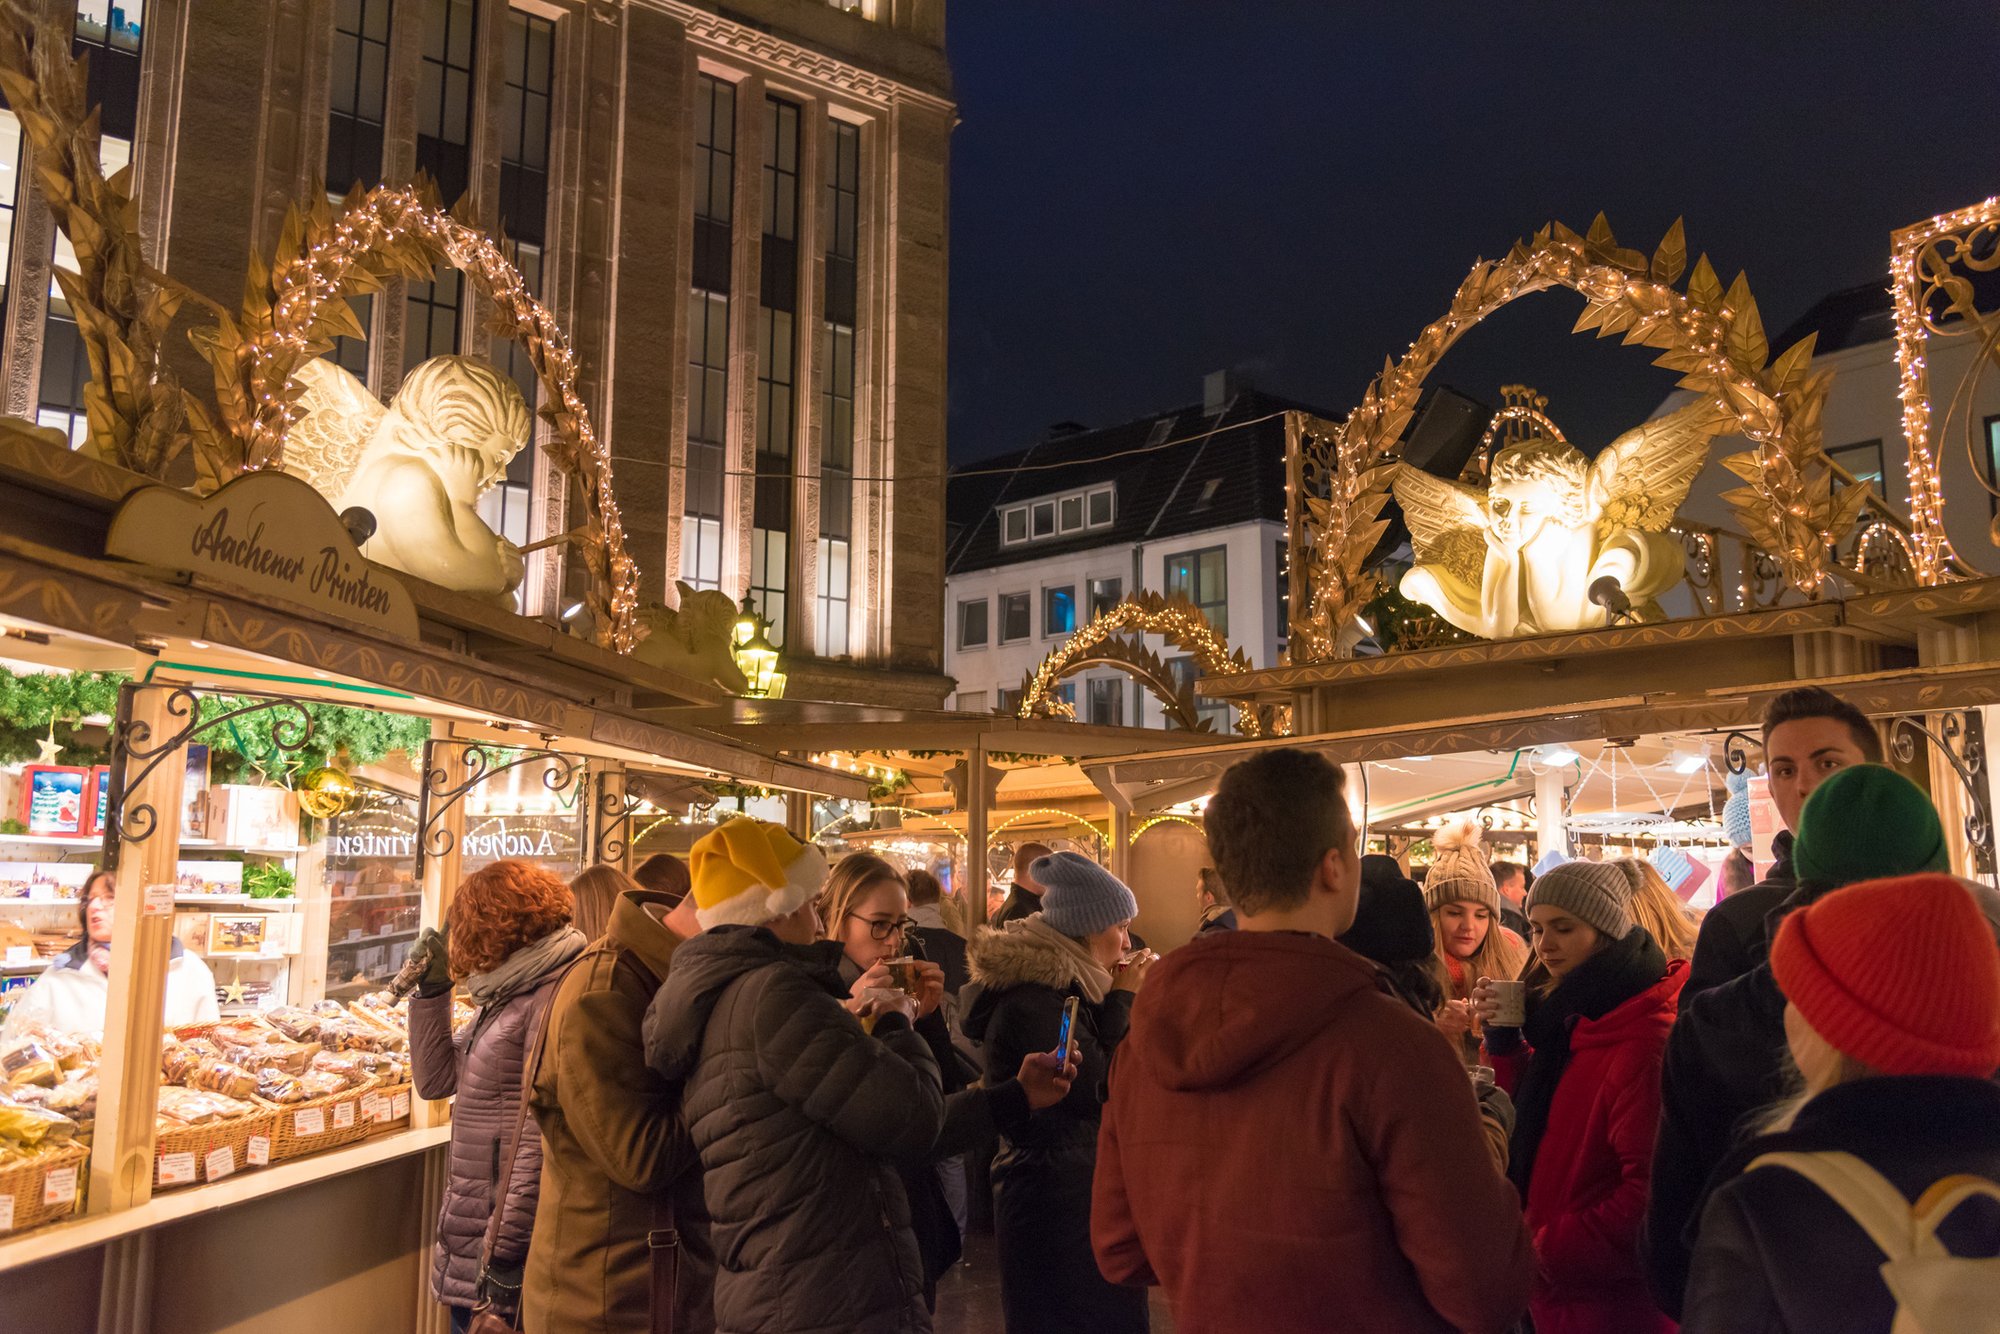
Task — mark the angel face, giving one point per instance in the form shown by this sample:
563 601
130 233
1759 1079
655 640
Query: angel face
1534 484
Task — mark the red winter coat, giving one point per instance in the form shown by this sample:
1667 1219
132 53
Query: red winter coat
1587 1196
1288 1150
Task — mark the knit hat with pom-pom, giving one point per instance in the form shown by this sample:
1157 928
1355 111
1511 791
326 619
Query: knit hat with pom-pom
1459 870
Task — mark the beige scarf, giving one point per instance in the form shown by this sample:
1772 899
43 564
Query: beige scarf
1093 977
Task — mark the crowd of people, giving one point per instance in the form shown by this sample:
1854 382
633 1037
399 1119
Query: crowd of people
756 1093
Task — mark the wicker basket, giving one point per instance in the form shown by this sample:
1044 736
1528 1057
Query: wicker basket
25 1190
323 1123
388 1098
202 1143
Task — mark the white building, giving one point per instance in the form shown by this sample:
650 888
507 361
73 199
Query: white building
1190 501
1863 420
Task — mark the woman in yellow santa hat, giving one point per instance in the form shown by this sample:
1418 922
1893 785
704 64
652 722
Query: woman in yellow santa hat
800 1115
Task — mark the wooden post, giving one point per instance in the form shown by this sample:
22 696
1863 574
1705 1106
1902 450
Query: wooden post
975 830
121 1158
1121 841
1551 833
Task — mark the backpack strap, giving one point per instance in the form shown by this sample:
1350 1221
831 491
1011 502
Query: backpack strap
1869 1198
1945 1195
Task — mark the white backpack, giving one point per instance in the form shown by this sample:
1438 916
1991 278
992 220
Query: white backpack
1936 1292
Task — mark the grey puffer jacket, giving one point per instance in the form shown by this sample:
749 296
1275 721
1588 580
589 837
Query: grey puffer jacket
801 1119
482 1070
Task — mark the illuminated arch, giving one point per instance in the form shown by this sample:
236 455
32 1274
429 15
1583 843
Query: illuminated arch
1104 642
1713 337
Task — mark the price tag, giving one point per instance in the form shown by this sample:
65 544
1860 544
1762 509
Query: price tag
6 1213
343 1115
400 1108
258 1152
59 1186
159 901
220 1163
20 955
373 1108
176 1169
310 1122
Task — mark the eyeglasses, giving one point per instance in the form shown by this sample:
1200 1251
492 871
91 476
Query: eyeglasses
881 928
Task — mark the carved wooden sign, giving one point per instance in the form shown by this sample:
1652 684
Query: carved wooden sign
266 532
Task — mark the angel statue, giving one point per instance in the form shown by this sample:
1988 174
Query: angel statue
419 465
1520 557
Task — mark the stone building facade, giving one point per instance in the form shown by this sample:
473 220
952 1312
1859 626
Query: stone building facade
738 213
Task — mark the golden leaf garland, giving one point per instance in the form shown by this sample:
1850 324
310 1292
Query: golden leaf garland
1714 338
1101 641
121 304
322 258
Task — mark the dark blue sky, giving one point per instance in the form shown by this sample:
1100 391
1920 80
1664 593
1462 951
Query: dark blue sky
1146 190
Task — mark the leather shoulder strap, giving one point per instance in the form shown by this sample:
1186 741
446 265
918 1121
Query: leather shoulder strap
538 1015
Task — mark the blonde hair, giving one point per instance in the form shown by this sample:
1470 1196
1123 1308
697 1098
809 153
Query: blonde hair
1656 907
1816 1066
596 892
851 878
1499 956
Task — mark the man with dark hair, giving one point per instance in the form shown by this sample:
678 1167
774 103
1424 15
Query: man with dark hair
1306 1149
1211 897
1025 899
664 873
1809 733
1511 879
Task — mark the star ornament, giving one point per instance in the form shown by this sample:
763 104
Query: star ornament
233 993
47 748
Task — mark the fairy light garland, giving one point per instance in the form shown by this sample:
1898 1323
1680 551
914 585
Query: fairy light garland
383 218
1931 549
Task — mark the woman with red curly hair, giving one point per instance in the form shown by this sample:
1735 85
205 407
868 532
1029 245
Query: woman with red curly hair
510 939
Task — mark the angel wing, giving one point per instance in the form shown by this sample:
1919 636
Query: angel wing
340 414
1447 521
1641 478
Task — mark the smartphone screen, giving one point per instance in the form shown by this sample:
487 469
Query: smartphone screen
1068 1026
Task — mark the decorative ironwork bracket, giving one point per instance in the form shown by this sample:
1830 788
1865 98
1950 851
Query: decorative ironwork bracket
438 793
614 810
1961 739
132 744
1734 755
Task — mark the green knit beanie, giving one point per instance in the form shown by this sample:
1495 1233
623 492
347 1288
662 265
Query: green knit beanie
1864 823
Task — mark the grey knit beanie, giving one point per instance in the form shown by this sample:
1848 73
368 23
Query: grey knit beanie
1079 897
1596 893
1459 871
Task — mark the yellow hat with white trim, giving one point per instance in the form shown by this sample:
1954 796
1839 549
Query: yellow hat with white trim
750 872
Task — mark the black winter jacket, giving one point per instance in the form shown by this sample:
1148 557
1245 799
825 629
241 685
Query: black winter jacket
1019 903
1777 1256
1049 1280
802 1120
1735 936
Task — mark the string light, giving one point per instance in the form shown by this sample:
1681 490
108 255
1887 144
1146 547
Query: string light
1931 549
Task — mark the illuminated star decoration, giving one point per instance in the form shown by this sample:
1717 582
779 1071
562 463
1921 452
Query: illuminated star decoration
49 750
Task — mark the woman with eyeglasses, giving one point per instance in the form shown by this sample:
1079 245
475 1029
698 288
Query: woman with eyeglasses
865 906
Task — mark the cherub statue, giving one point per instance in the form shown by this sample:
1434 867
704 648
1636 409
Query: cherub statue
693 639
420 465
1520 557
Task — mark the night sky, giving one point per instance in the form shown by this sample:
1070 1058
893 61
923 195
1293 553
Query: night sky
1147 190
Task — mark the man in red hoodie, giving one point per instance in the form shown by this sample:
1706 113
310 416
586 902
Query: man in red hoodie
1287 1147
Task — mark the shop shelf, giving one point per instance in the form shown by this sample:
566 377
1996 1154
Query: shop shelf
232 901
370 940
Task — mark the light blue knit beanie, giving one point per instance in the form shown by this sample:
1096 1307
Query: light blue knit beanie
1079 897
1736 811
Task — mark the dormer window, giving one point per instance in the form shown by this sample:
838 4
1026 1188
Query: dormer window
1065 515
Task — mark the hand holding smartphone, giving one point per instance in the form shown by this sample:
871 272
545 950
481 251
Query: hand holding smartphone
1066 1034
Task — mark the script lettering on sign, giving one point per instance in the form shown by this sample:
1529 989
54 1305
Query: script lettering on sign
265 532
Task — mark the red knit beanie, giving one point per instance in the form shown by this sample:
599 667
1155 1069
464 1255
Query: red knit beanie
1901 975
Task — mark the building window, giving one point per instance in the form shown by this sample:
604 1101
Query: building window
972 624
1042 518
10 188
1864 461
430 318
971 701
1014 612
524 180
1202 577
111 34
359 94
1069 515
113 24
1185 674
444 96
1105 594
1107 701
708 331
840 210
1014 524
776 365
1059 610
846 6
1057 516
1066 692
1099 500
1010 702
1284 592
